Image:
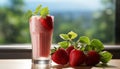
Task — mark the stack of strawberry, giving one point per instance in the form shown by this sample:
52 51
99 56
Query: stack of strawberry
81 52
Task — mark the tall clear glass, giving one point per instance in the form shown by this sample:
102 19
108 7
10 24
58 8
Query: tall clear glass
41 38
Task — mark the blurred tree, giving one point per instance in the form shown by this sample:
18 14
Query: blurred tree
12 25
104 22
100 26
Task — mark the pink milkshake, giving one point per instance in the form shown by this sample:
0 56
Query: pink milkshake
41 36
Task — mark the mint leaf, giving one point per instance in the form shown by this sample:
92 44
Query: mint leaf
64 36
37 10
44 12
84 39
64 44
72 35
97 45
27 15
105 57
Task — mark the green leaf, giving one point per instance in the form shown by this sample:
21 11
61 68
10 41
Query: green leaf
88 48
27 15
64 44
44 12
64 36
53 50
105 57
37 10
84 39
82 48
97 45
72 35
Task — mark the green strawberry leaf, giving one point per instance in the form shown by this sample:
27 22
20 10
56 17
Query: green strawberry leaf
84 39
64 36
64 44
97 45
82 48
72 35
53 50
88 48
105 57
37 10
44 12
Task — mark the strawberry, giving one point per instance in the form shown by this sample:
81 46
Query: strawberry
60 56
69 49
47 22
77 57
92 58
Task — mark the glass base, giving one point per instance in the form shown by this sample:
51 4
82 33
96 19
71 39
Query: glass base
41 64
41 61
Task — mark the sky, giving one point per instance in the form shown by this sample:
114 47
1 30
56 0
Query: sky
67 5
61 5
2 2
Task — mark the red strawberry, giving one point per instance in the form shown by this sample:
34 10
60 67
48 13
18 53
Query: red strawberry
77 57
47 22
60 56
69 49
93 58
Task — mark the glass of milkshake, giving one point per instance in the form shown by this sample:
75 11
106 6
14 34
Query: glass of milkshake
41 30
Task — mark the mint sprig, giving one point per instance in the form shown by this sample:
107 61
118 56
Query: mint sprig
37 10
42 11
28 15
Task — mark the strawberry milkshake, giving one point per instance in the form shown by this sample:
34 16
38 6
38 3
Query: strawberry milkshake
41 36
41 29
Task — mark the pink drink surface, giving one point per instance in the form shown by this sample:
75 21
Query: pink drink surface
41 38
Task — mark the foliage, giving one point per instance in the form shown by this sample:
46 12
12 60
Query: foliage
100 25
13 28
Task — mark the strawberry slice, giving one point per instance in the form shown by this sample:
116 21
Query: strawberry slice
47 22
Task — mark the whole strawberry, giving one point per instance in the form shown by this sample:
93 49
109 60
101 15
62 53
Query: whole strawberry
69 49
76 57
92 58
60 56
47 22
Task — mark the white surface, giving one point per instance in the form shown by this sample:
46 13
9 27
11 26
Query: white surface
26 64
29 46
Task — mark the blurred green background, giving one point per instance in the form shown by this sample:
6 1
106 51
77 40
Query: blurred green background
95 19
